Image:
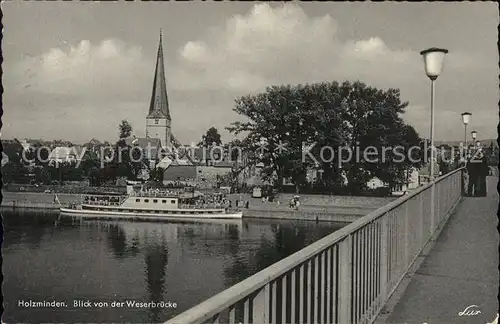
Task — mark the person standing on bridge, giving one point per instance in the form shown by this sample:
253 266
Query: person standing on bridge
472 170
483 172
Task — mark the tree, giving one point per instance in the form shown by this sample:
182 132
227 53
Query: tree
129 161
12 172
234 150
13 151
292 129
281 120
42 175
211 137
125 129
90 161
157 174
71 173
94 176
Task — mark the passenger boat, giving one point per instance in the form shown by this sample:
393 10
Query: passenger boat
153 205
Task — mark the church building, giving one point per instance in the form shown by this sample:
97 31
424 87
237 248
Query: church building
184 165
159 140
158 120
159 143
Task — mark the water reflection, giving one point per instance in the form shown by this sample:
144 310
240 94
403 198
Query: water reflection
180 262
14 229
117 240
278 240
156 258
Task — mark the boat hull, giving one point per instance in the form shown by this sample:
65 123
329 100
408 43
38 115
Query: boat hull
110 214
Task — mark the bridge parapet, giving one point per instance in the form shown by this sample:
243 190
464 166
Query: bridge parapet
345 277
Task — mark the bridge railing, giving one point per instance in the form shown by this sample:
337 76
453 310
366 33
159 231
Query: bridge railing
345 277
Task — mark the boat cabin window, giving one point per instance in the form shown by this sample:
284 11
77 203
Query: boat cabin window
137 200
164 201
172 201
155 200
146 200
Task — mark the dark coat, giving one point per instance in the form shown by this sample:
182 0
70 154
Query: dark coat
473 167
484 168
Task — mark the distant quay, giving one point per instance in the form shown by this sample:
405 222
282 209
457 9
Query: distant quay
344 209
29 205
314 207
35 201
302 214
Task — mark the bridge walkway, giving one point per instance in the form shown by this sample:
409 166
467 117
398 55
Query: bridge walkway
459 270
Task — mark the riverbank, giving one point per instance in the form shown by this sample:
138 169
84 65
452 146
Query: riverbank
29 205
303 214
313 207
328 208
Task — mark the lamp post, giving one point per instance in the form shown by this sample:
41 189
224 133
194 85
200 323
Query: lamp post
301 139
433 59
473 135
466 120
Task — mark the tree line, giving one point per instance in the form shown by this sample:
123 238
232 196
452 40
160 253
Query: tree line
289 119
348 114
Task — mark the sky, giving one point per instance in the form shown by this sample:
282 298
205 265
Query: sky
74 70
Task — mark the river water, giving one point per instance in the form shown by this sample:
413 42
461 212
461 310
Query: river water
47 258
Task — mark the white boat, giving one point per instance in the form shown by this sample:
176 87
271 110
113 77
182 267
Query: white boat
153 205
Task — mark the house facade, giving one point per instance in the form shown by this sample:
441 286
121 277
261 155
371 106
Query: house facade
413 181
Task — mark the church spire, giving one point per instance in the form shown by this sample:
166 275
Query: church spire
158 107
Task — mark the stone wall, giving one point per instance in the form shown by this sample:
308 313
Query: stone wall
180 172
324 200
208 174
37 200
300 215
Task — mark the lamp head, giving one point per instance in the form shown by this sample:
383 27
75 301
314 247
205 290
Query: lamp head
466 117
433 59
473 134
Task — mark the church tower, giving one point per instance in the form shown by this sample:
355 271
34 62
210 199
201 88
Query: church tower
158 121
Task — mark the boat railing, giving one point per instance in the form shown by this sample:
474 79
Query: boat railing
157 194
102 203
201 206
101 200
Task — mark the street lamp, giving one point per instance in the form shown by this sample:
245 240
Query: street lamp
466 120
473 135
433 59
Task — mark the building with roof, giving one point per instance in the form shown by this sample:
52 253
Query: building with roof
159 143
150 147
202 165
158 120
63 154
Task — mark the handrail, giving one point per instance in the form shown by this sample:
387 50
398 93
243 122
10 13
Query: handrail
213 306
103 196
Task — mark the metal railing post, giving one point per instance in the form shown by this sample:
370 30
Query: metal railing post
407 237
384 256
433 211
421 217
462 183
261 305
345 280
340 262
